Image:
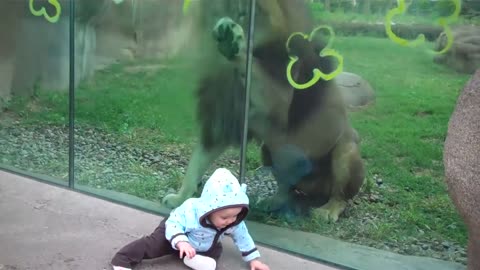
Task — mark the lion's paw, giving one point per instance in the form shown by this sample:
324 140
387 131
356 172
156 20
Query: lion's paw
276 203
230 37
330 211
173 200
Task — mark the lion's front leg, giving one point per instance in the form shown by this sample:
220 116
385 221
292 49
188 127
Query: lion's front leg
230 38
200 161
290 165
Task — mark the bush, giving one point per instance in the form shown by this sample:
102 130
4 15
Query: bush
444 8
317 9
378 30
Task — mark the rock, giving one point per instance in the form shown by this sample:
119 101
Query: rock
356 91
464 55
461 158
374 198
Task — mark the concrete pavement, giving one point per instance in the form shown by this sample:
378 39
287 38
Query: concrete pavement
47 227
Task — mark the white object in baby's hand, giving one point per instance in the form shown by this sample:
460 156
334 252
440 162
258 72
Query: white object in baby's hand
199 262
120 268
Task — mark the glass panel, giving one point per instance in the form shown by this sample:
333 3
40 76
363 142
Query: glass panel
137 113
353 149
34 81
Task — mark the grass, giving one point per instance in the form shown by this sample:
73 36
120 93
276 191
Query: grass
136 100
402 136
141 99
406 129
402 142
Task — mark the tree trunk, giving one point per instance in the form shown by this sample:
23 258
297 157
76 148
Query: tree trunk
327 5
366 7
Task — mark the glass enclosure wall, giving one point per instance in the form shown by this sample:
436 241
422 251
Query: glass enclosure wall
369 172
34 81
347 107
135 109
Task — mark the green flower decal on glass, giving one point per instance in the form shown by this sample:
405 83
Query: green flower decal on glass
443 21
326 52
43 12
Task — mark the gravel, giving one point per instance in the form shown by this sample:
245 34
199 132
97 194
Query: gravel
102 161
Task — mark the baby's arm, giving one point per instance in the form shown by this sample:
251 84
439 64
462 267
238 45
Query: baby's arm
245 244
175 226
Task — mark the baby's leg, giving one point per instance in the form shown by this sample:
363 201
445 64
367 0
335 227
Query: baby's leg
148 247
215 252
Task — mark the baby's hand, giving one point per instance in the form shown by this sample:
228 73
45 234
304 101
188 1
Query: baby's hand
258 265
185 249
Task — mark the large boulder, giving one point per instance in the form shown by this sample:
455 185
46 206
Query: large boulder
148 29
356 91
462 164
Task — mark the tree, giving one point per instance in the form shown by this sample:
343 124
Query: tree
327 5
366 7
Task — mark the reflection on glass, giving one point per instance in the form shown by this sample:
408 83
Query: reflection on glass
381 121
136 108
34 80
349 105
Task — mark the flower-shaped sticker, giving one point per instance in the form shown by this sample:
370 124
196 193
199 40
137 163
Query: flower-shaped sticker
443 21
327 51
186 4
43 12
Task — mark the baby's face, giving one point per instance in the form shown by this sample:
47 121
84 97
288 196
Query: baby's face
222 218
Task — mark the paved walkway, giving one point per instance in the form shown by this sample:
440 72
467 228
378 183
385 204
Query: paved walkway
47 227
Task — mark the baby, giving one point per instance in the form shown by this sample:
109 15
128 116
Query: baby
194 230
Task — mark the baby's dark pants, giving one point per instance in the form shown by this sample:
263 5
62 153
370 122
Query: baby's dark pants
154 246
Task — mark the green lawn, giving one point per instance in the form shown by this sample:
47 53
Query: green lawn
402 142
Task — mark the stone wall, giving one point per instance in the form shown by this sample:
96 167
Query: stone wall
34 53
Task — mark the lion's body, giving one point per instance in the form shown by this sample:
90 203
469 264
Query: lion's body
306 134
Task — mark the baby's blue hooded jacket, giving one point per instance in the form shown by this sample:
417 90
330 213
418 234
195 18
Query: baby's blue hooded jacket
189 222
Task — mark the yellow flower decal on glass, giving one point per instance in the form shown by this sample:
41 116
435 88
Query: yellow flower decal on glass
186 4
43 12
317 73
443 21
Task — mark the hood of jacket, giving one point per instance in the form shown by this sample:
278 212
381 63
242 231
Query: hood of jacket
222 190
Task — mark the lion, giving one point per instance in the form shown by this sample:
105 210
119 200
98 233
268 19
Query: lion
306 136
